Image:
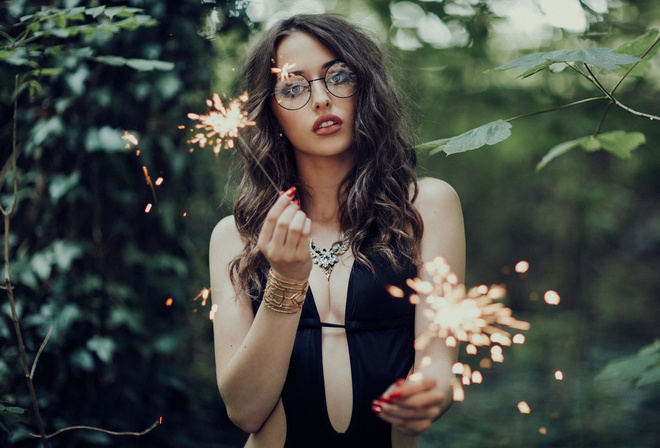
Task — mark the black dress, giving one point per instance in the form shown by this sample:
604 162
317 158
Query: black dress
380 334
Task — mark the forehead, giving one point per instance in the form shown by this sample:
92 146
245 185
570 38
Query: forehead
303 50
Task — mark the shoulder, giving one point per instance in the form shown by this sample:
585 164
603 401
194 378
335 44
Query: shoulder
225 239
436 197
225 228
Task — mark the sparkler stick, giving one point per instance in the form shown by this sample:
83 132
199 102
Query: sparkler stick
222 125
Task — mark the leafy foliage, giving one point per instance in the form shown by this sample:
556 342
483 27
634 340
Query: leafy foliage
488 134
641 369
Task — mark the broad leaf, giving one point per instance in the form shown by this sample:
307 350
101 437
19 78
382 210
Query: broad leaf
137 64
604 58
488 134
637 48
619 143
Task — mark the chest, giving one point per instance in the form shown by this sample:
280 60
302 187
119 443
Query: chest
330 294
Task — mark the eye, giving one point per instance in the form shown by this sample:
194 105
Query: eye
339 77
292 90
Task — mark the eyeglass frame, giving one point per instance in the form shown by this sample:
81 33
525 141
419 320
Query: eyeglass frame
309 86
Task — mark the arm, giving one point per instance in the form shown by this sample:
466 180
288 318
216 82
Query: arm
252 352
413 405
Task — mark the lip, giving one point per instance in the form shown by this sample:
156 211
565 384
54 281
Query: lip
328 130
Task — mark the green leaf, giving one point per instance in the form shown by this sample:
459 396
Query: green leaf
558 150
104 139
604 58
62 184
64 253
103 347
95 12
619 143
121 11
642 368
637 48
488 134
60 20
137 64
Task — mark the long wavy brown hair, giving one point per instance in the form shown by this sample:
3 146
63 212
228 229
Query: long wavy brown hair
377 195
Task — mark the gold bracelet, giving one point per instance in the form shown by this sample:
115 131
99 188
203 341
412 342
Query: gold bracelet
284 296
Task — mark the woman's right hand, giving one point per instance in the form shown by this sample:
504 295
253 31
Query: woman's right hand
283 239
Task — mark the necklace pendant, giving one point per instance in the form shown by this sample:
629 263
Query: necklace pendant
326 259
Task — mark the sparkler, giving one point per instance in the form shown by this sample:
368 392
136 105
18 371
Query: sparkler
221 126
456 315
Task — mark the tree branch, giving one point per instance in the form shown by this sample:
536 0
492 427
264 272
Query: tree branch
113 433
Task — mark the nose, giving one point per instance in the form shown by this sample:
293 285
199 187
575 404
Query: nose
320 95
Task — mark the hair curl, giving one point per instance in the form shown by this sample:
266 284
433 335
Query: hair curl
377 195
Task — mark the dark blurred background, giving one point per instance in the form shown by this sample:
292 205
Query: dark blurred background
86 258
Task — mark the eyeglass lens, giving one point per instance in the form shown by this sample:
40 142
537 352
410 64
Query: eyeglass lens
294 91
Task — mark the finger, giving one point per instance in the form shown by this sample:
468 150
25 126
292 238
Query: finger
404 388
296 226
303 244
282 226
274 213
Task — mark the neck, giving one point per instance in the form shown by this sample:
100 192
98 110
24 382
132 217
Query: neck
323 176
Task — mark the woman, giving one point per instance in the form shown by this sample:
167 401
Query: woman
311 350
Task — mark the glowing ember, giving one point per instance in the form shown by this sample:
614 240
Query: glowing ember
476 377
543 430
496 354
147 209
551 297
159 181
458 368
129 139
395 292
459 393
221 123
169 302
426 361
471 316
214 309
485 363
519 339
471 349
524 408
522 267
284 71
559 375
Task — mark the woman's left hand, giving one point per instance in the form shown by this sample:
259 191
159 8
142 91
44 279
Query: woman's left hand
411 406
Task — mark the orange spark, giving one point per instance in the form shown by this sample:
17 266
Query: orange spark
551 297
524 408
471 349
522 267
284 71
214 309
519 339
147 209
543 430
205 296
559 375
395 292
485 363
129 139
221 124
169 302
476 377
458 368
159 181
459 393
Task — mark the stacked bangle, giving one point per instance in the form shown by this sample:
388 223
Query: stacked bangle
284 296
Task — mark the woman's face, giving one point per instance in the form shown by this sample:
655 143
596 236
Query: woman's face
324 126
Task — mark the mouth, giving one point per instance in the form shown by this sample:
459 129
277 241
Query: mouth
327 125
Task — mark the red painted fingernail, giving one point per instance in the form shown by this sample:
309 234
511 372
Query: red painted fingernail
395 394
280 193
387 399
296 201
400 382
291 191
377 409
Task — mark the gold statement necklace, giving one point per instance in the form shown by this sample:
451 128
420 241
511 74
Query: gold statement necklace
326 259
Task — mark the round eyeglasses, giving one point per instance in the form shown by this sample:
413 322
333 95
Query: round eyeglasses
293 91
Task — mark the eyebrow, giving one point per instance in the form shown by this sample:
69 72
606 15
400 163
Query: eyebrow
324 66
